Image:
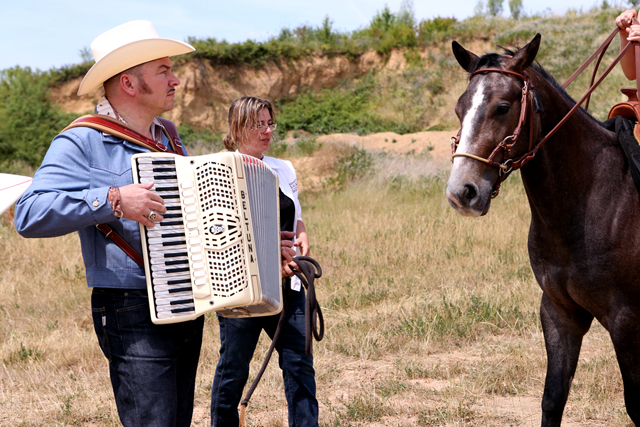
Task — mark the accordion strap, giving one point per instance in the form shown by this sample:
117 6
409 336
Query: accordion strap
118 129
122 244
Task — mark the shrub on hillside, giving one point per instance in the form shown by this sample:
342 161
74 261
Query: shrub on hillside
28 119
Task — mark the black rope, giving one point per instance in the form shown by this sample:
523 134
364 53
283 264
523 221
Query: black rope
313 320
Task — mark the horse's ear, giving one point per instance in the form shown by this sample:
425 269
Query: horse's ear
525 56
463 56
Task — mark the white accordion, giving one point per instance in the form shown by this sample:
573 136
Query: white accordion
218 246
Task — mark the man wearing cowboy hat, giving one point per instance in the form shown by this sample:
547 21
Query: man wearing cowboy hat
86 180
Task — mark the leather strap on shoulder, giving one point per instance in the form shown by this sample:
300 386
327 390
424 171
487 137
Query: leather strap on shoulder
116 128
172 133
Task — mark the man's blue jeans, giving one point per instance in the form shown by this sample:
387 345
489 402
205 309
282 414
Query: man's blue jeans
238 340
152 367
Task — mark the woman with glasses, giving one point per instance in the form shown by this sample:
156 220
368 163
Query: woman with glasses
251 126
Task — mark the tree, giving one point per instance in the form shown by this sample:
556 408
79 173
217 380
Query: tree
494 7
28 118
515 6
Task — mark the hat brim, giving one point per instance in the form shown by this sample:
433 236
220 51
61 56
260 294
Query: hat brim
128 56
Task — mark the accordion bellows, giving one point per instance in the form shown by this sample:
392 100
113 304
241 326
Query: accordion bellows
218 246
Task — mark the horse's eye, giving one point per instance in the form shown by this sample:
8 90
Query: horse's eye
503 108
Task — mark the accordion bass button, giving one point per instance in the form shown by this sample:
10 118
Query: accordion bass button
192 225
187 184
188 193
201 291
198 273
196 249
192 217
195 241
189 201
190 209
198 266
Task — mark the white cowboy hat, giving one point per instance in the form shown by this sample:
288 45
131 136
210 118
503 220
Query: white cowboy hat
126 46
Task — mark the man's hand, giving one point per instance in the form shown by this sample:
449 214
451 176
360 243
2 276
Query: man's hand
137 201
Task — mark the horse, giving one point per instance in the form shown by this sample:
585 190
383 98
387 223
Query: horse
584 236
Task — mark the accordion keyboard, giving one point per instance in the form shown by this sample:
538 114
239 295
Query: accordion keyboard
167 241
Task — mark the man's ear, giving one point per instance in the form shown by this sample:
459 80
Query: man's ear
128 84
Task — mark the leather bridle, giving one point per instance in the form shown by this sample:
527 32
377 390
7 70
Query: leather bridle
526 112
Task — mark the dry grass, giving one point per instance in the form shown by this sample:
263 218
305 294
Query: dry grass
431 320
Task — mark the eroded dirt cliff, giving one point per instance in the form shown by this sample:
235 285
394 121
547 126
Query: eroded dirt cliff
206 91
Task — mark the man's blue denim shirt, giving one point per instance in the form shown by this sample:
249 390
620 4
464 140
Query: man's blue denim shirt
69 193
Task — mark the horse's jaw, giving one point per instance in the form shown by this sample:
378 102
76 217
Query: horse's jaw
468 193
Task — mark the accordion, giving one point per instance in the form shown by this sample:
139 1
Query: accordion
218 246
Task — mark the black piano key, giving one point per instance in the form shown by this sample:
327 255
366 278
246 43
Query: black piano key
182 261
182 301
178 282
169 235
172 291
159 177
176 243
182 310
177 270
175 254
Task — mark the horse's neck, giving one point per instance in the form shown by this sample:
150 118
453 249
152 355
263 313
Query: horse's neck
559 180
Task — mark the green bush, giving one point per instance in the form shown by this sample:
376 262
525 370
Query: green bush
200 141
353 165
343 109
28 119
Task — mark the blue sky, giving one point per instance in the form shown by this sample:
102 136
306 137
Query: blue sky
50 33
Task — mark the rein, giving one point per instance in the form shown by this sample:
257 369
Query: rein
504 147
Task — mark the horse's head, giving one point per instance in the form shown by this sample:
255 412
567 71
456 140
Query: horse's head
492 130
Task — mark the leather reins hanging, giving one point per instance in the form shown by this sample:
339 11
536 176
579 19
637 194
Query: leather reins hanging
507 166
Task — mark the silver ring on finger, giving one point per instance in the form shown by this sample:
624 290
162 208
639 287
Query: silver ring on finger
152 216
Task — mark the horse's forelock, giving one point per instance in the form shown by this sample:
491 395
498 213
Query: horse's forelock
489 60
496 60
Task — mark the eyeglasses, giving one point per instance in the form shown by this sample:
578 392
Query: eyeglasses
263 128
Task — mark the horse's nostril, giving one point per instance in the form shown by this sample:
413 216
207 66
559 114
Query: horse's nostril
470 192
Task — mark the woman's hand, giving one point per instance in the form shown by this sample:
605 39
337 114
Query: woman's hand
625 19
287 252
302 239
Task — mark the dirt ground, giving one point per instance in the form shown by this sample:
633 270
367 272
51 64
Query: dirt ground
437 144
313 170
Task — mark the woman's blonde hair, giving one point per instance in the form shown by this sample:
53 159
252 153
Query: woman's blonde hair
243 115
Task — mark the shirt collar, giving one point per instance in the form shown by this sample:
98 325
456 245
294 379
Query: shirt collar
105 108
